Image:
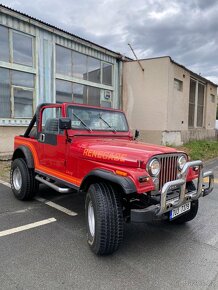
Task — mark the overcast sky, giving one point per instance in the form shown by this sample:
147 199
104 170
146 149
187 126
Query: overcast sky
186 30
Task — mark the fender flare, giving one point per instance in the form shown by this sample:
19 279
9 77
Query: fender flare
126 183
26 152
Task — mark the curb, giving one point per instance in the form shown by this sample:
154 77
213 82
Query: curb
208 162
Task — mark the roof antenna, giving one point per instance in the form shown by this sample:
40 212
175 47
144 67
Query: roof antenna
136 57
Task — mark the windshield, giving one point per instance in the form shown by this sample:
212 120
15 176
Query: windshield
97 119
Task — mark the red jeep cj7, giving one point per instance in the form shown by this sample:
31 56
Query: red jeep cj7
77 147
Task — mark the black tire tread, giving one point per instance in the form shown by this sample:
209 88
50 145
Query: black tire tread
29 184
109 218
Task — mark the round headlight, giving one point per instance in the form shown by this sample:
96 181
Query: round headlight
154 167
181 162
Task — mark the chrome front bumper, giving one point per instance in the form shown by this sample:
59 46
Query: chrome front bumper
165 205
181 183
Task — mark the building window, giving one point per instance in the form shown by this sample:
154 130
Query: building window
94 70
23 102
83 67
4 44
107 74
94 95
63 61
22 49
5 93
82 94
79 93
192 94
196 104
200 105
77 78
79 65
63 91
212 98
16 94
178 85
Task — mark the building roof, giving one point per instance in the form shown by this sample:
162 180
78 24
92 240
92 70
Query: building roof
53 29
193 73
182 66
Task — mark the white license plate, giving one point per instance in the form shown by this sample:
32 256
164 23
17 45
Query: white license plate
179 210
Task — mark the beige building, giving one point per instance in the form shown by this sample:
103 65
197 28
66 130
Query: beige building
168 103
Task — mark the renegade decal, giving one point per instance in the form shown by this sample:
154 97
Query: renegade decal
105 155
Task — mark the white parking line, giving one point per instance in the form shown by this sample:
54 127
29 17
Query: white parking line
56 206
49 203
27 227
5 183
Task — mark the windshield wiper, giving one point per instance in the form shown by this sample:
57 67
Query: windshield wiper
84 124
113 129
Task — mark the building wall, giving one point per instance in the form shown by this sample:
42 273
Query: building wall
145 97
156 102
46 77
178 100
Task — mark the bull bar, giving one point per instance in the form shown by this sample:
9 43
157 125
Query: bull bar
141 215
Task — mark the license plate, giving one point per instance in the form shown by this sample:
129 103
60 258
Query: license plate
179 210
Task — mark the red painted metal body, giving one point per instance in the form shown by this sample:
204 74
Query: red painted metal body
116 152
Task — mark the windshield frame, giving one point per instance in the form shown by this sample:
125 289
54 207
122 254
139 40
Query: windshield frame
83 107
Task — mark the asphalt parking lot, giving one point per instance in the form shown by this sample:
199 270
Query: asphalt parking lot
50 250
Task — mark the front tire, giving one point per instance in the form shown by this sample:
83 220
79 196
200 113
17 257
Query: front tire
23 183
104 218
186 217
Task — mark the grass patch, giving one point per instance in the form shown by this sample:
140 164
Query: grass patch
203 150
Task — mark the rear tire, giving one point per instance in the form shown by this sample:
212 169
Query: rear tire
190 215
22 178
104 218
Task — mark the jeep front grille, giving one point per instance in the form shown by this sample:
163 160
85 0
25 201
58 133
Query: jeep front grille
168 171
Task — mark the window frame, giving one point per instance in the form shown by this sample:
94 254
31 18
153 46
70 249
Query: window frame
81 81
195 126
112 73
13 87
11 47
22 68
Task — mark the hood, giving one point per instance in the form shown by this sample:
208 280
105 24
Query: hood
120 151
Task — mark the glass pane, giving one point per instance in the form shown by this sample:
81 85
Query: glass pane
107 74
192 92
178 85
4 44
50 120
22 49
79 94
23 103
22 79
79 65
94 96
94 70
191 115
63 60
5 94
96 119
106 104
63 91
200 116
200 94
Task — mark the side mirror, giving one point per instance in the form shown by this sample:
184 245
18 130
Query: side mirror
64 123
136 134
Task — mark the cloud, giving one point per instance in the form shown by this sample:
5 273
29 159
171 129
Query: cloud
185 30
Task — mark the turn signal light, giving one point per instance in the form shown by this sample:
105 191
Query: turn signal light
121 173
